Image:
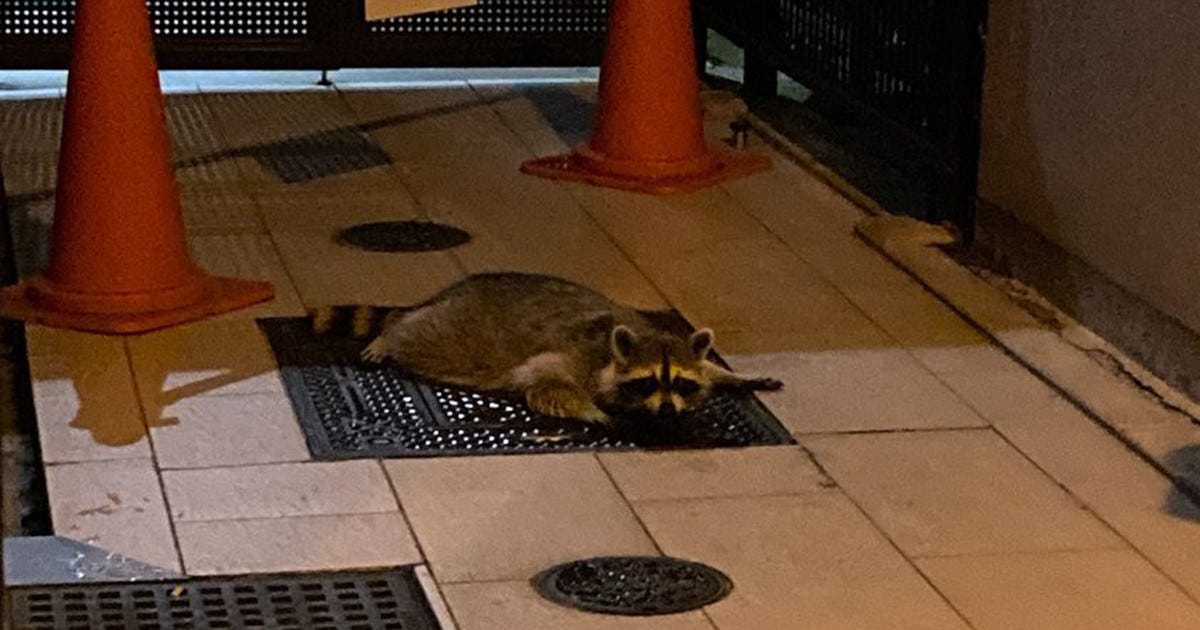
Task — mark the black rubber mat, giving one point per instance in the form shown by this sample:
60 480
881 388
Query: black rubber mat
391 600
319 155
349 409
633 585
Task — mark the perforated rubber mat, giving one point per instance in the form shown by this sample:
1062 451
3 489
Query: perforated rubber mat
390 600
349 409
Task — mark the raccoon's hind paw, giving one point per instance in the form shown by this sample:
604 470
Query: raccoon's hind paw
374 352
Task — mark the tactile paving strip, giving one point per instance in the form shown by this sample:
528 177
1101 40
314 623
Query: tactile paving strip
352 410
391 600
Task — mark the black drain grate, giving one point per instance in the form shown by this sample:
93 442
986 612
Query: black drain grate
391 600
319 155
352 410
403 236
633 585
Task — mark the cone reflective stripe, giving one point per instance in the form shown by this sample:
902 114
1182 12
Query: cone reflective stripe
649 130
119 258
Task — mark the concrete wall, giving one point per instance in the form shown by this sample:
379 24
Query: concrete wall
1091 135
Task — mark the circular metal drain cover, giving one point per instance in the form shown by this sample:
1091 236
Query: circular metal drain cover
403 236
633 585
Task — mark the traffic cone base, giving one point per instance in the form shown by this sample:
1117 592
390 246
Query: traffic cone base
656 177
212 295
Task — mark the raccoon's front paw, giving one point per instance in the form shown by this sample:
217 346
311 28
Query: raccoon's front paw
566 403
374 352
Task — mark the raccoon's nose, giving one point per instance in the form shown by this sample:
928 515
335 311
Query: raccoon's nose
668 410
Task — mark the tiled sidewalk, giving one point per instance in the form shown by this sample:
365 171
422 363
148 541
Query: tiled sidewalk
937 485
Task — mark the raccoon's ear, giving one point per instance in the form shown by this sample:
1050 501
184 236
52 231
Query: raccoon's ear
623 342
701 342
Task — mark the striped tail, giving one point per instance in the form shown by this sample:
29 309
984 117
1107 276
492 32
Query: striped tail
355 321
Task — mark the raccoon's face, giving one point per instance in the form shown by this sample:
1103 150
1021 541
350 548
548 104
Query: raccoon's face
658 375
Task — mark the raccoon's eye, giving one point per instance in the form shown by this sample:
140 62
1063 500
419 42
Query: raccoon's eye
685 386
640 386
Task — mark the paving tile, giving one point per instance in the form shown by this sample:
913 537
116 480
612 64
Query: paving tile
648 226
220 212
327 273
292 212
757 471
84 396
278 490
856 390
716 286
1064 591
855 332
206 358
252 257
115 505
503 239
1135 499
309 543
207 431
916 318
957 492
484 606
506 518
809 561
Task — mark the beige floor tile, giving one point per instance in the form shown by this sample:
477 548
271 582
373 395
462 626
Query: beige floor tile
327 273
566 243
291 212
253 257
852 333
756 471
278 490
798 207
1135 499
309 543
234 430
220 212
495 605
748 285
650 226
856 390
1115 590
117 506
808 561
916 318
207 358
957 492
506 518
87 406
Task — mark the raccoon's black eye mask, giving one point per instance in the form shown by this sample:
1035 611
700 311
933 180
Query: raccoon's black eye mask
684 386
642 387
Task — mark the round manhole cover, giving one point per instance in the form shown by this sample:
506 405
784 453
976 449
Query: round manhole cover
633 585
402 236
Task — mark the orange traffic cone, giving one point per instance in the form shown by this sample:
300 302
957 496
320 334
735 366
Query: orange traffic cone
649 131
119 261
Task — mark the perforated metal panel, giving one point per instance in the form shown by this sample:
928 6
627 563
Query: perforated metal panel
182 18
506 17
390 600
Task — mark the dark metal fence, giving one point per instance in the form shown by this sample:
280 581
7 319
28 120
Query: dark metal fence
326 34
911 69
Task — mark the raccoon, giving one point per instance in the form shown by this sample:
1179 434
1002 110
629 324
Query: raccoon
568 350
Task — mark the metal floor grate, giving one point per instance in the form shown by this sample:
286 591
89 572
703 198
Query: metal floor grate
319 155
352 410
391 600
